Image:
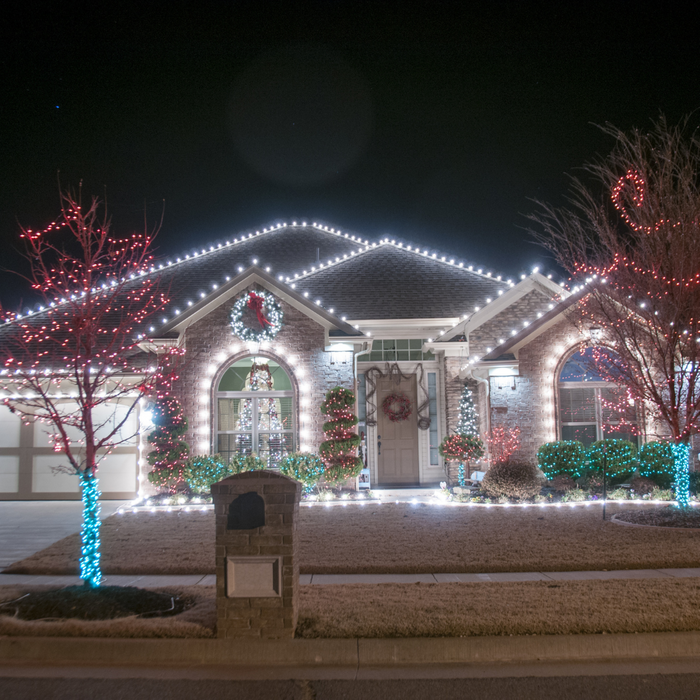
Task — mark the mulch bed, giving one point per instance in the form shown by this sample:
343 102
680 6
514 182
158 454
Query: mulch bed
82 603
667 516
197 619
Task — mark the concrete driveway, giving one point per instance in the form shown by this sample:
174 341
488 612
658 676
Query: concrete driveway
28 526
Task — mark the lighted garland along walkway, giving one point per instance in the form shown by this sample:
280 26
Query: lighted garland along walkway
331 579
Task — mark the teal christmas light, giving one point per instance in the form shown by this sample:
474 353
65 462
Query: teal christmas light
90 571
681 452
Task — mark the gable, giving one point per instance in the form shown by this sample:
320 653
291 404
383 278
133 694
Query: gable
250 279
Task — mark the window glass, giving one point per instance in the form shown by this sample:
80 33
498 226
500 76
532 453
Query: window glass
591 408
398 350
432 412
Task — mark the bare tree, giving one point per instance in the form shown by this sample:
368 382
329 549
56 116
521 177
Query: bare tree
75 364
630 236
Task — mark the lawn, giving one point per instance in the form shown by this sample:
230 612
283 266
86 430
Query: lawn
427 610
393 538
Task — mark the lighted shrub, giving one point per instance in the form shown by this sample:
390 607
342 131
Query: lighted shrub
201 471
461 447
619 456
246 463
303 466
656 463
566 457
517 481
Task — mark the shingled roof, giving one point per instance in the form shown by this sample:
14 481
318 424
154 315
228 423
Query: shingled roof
388 282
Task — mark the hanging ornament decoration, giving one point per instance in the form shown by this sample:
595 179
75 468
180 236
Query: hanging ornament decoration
397 407
256 317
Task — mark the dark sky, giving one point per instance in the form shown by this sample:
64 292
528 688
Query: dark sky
434 125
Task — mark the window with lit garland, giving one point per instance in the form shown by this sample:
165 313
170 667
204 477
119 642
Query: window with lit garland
256 317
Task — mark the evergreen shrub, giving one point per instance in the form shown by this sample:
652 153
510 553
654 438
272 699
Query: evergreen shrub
575 496
656 463
246 463
517 481
461 447
641 485
303 466
567 457
620 458
201 471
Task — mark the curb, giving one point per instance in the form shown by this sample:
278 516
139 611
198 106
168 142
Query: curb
355 653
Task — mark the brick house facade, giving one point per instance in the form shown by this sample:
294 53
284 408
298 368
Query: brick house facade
379 318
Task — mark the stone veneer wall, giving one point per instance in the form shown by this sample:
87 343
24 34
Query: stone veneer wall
511 318
212 348
529 400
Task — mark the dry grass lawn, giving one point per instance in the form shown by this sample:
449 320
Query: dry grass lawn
197 621
427 610
476 609
393 538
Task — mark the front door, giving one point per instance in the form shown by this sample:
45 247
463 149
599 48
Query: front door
397 442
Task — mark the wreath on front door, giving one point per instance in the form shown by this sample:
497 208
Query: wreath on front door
256 316
397 407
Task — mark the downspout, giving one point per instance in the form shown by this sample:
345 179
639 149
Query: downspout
470 375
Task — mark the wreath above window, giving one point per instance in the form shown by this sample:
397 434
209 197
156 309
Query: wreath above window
256 317
397 407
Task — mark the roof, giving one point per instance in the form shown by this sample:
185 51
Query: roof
391 282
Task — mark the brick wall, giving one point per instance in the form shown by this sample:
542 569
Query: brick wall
528 400
298 347
511 318
252 614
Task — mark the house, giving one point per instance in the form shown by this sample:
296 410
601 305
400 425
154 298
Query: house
382 317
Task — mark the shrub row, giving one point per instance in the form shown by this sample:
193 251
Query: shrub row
571 459
201 471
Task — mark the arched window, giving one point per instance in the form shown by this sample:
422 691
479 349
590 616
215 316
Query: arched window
591 408
255 411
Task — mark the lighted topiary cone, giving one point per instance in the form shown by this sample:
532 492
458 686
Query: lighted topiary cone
338 451
169 452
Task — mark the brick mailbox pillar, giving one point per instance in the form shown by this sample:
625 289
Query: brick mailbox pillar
257 569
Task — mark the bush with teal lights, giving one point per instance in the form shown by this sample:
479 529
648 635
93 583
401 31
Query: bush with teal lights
201 471
656 463
620 458
563 457
303 466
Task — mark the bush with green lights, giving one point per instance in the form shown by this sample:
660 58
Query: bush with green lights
656 463
618 456
303 466
562 458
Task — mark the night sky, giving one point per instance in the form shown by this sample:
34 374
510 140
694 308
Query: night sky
434 125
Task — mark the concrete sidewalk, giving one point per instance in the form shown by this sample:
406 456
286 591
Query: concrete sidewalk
156 581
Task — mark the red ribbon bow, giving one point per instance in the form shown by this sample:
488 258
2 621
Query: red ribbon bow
255 302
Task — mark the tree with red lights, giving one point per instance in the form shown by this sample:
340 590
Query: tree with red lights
75 364
631 238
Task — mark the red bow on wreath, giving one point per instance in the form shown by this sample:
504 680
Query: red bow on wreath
256 302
